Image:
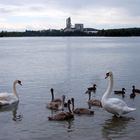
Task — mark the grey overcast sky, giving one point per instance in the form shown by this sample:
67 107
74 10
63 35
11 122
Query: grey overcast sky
44 14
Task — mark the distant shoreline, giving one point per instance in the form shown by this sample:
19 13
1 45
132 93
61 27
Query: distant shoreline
123 32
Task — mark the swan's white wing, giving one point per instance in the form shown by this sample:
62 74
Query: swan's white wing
4 94
7 98
116 101
115 105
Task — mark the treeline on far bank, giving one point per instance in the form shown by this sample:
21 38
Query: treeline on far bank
54 32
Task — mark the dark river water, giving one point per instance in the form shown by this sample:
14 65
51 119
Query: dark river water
69 65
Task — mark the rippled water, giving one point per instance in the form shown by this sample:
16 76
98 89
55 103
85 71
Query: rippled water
69 65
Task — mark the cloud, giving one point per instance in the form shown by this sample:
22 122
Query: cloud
52 13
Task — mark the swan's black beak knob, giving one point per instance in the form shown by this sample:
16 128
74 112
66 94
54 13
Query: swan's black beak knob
19 82
107 74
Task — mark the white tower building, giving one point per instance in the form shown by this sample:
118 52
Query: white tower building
68 23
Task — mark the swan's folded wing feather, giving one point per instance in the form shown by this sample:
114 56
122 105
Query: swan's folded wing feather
3 102
116 101
114 105
6 98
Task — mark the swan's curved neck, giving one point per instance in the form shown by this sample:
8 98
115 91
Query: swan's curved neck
73 105
89 95
69 109
14 90
63 101
52 96
109 88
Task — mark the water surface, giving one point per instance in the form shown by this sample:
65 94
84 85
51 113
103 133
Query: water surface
69 65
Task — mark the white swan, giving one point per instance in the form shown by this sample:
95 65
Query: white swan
10 98
114 105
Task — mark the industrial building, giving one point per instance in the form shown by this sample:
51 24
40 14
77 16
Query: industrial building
69 28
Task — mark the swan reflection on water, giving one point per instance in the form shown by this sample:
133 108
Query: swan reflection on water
115 127
13 108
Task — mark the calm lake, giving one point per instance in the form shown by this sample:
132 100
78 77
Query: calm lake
69 65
